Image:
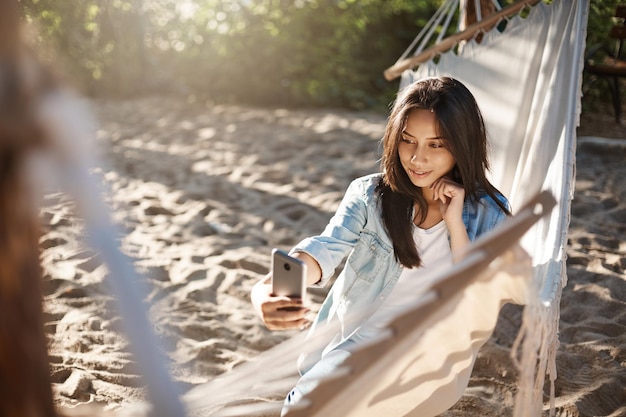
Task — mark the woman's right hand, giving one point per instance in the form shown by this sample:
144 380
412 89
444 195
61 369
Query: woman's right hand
278 313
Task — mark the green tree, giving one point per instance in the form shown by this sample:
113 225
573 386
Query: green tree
262 52
601 19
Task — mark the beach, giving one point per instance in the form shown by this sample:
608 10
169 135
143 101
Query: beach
202 193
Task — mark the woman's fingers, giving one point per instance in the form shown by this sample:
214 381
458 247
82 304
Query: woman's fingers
278 312
288 318
445 189
285 313
277 307
288 325
439 190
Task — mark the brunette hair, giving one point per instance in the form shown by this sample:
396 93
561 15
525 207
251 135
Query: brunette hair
460 123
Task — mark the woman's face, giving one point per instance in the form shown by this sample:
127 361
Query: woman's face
422 153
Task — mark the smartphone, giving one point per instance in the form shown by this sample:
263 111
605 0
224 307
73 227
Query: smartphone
288 275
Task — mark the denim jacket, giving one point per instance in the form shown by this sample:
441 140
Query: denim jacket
371 270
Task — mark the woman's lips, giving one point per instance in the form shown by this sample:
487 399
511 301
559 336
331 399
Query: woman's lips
419 174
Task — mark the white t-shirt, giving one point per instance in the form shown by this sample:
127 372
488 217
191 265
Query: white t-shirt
434 249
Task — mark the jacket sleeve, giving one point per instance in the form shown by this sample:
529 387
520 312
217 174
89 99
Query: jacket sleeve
341 234
484 216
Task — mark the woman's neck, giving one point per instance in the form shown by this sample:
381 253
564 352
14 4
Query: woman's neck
433 214
427 193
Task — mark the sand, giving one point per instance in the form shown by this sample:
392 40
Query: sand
203 193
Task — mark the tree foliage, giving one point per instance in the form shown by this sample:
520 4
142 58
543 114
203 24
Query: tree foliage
265 52
601 19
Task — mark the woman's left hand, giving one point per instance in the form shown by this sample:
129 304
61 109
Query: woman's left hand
451 196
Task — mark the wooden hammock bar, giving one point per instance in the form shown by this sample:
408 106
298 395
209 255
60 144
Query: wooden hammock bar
396 69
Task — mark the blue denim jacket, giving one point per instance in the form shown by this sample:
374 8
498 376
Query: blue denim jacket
371 270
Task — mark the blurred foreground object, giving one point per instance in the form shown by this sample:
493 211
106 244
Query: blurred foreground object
24 370
45 133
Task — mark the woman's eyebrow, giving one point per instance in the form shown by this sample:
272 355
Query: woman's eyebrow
404 132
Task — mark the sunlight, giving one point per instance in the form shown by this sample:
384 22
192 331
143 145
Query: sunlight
186 9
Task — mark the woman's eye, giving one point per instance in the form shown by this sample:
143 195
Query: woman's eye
436 145
405 140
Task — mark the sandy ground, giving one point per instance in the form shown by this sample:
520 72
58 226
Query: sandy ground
202 195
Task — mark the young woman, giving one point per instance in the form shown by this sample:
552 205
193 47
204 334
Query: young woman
430 201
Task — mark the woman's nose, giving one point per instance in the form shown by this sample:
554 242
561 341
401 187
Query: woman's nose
418 155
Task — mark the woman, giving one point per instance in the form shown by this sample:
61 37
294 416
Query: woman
430 201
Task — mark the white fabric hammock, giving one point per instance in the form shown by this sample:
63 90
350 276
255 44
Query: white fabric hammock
527 82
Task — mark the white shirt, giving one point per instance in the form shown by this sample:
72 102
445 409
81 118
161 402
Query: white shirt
434 250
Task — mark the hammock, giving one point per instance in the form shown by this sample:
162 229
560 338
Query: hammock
527 82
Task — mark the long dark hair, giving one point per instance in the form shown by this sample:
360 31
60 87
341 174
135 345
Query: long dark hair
460 122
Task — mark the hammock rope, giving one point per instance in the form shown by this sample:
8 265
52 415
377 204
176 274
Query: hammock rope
427 31
448 9
420 55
